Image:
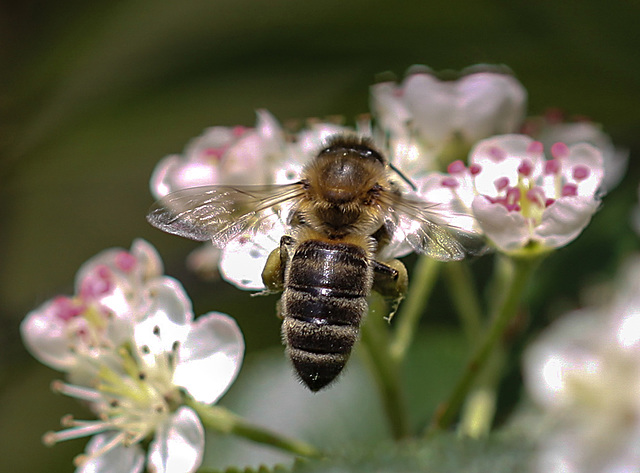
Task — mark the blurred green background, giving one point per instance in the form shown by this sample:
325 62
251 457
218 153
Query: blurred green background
93 94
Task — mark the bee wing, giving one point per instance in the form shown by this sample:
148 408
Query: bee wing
222 213
431 229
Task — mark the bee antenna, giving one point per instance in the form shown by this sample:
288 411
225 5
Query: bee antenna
403 177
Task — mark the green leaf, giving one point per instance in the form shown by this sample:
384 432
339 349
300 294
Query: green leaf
444 454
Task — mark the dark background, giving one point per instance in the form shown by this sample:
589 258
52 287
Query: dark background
93 94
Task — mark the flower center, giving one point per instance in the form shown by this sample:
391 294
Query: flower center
131 398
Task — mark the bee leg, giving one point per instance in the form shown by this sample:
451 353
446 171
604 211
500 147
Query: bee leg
274 269
390 280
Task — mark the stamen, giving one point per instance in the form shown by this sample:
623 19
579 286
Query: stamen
559 150
66 308
525 168
449 182
580 173
456 167
156 331
215 153
536 196
497 153
569 190
501 183
90 428
238 131
77 392
535 147
513 196
475 169
125 261
552 167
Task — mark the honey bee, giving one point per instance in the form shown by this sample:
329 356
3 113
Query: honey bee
339 217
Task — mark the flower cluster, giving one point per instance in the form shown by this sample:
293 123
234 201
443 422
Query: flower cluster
585 373
520 200
130 349
507 190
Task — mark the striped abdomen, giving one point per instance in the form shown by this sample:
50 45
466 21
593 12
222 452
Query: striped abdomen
325 298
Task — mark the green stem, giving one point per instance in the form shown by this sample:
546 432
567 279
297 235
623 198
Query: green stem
421 283
522 270
224 421
375 341
465 299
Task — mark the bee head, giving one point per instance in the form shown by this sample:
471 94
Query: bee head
352 145
346 169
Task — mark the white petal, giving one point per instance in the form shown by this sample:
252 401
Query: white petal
489 104
507 230
564 220
210 357
44 336
389 108
161 182
243 260
178 445
175 172
119 459
432 103
270 131
167 320
148 258
249 153
214 137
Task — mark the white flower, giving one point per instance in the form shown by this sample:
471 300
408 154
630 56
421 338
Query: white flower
519 199
222 155
428 120
584 371
140 396
112 292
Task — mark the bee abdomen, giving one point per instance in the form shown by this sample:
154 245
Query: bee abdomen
323 304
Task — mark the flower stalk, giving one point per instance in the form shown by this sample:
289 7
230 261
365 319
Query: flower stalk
423 278
465 299
375 341
522 267
223 421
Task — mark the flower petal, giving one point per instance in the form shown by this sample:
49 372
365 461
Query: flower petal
118 459
489 104
243 259
210 357
507 230
178 445
564 220
167 321
44 335
432 103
